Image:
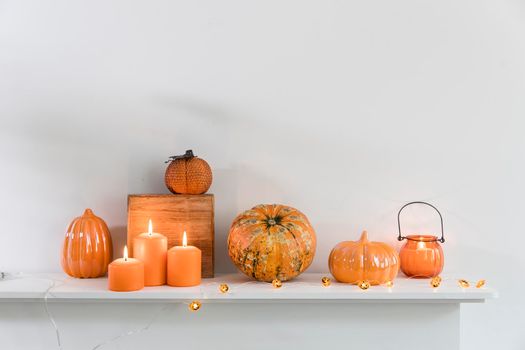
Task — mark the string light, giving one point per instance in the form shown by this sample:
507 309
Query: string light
277 283
435 282
463 283
364 285
480 283
389 284
224 288
194 305
326 281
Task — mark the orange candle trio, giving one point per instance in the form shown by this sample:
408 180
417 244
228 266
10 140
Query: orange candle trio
153 264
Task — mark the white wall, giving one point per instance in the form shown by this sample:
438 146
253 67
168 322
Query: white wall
343 109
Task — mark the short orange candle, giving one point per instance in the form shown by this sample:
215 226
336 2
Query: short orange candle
126 274
151 248
184 265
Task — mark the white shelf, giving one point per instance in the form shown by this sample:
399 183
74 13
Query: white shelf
305 288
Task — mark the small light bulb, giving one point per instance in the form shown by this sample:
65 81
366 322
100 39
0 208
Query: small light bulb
435 281
326 281
389 284
277 283
463 283
194 305
364 285
480 283
224 288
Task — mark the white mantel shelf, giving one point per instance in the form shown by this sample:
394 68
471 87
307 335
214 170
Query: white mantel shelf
305 288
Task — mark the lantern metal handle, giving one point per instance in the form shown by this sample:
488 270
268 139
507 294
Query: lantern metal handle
400 237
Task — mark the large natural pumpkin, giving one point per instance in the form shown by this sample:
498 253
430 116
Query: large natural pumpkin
87 248
187 174
271 242
375 262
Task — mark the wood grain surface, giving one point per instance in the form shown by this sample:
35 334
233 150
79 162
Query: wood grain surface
171 216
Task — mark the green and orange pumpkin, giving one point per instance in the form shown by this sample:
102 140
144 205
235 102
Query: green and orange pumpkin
272 241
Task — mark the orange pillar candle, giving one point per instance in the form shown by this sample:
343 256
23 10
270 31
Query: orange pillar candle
151 248
184 265
126 274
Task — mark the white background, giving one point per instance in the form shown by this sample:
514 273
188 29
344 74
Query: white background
343 109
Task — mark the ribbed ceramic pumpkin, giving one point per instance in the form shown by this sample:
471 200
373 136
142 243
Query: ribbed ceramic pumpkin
87 248
272 241
362 260
187 174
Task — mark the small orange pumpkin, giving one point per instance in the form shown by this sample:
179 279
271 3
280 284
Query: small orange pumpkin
375 262
87 248
187 174
272 241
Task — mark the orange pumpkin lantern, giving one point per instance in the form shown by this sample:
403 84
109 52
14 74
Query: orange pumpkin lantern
422 255
374 262
271 242
87 248
187 174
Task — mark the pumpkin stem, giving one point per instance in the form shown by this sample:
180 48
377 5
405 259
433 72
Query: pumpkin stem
364 236
88 212
188 155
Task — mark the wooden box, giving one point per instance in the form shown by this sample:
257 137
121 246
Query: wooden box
172 215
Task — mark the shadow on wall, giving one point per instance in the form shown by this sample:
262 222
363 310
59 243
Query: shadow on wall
236 188
119 237
239 189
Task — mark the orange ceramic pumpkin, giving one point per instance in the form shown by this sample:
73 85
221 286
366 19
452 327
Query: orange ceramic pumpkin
271 242
187 174
375 262
87 248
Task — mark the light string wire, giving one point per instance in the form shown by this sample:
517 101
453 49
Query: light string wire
54 284
47 293
50 315
201 296
135 331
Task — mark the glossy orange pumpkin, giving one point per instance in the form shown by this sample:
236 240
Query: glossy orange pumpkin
362 260
271 242
87 248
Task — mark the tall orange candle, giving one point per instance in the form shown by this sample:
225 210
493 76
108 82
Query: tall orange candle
151 248
126 274
184 265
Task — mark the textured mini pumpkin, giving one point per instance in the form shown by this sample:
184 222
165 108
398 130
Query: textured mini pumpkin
87 248
271 242
187 174
375 262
